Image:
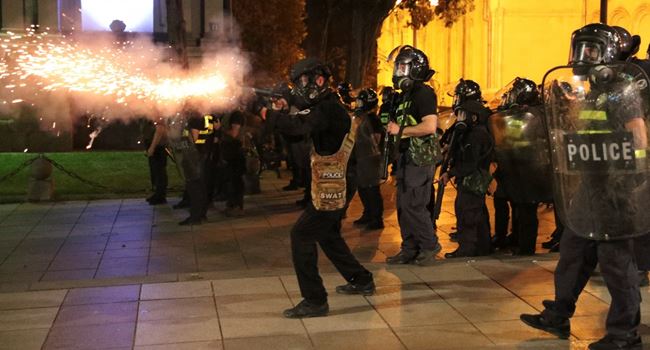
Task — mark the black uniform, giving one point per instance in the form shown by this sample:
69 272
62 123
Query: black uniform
414 183
327 123
234 160
523 189
642 244
195 172
367 156
579 255
501 214
299 147
158 167
471 154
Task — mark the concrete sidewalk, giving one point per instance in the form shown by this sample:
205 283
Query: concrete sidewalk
120 274
453 305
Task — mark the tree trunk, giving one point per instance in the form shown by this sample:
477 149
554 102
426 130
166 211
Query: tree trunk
176 30
315 24
367 18
326 28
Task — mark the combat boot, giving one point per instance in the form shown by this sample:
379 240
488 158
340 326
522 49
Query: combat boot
427 256
357 288
306 309
400 258
559 328
610 342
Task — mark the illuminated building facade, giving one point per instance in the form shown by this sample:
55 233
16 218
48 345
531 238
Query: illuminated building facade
502 39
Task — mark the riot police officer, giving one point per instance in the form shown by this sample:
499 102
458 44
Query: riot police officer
600 173
419 150
629 47
157 156
367 155
200 130
332 133
521 159
344 90
470 153
388 95
234 163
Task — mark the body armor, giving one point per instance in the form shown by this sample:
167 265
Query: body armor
328 183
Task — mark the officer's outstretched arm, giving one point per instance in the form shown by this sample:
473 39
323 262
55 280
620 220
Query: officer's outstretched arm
426 127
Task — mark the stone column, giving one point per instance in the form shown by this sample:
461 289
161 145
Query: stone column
213 18
160 17
13 15
48 15
70 16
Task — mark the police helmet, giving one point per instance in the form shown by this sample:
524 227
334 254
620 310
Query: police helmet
303 75
366 100
344 89
466 90
595 43
387 93
410 65
629 44
523 92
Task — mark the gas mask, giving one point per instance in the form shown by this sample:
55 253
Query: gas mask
307 91
401 78
601 75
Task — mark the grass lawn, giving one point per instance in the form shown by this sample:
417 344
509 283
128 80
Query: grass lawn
125 173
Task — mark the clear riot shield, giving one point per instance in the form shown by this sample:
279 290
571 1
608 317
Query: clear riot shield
499 97
597 125
522 154
446 119
186 156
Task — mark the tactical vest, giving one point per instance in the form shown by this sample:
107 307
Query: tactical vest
402 112
205 132
328 185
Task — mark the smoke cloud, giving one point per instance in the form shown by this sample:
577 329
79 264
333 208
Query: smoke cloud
64 77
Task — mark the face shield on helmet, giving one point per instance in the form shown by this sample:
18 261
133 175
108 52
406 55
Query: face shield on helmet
410 65
402 74
586 52
458 99
520 91
466 90
366 100
402 69
592 44
510 99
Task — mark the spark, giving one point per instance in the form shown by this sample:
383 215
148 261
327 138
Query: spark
121 77
93 135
